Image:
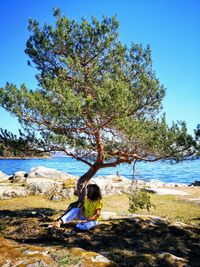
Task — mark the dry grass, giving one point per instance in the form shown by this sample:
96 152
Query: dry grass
167 206
118 204
175 208
31 202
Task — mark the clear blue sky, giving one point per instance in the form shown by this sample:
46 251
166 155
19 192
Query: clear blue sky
171 28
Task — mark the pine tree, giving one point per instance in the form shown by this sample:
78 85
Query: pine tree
97 100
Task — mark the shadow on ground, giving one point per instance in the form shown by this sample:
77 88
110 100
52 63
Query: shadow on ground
138 241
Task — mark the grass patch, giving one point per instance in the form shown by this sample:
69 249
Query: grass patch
174 208
69 260
31 202
118 204
167 206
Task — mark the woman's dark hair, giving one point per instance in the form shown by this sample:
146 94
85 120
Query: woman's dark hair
93 192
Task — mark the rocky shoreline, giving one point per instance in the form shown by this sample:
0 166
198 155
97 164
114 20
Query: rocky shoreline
57 185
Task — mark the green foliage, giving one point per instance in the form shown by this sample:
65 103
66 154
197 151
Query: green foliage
197 138
20 146
95 95
139 199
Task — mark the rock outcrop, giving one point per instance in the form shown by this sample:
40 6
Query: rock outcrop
54 184
57 185
196 183
3 177
14 254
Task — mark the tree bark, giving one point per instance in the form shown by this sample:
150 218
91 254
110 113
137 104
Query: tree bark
83 180
81 186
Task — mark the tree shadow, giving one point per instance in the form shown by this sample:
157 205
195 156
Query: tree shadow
126 242
26 213
196 219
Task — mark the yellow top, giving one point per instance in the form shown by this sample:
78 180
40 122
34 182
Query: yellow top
91 207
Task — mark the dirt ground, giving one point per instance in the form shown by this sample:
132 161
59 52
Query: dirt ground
135 241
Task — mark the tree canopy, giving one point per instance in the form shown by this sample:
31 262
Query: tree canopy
97 100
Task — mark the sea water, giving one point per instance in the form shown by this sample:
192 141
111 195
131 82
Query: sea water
183 172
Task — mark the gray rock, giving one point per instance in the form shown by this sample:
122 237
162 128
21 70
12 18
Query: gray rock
3 177
8 263
157 183
31 252
167 191
101 259
106 215
68 192
58 185
56 198
154 183
65 193
196 183
43 186
19 177
43 172
8 191
39 263
113 184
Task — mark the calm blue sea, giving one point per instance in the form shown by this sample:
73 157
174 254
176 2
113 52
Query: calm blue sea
184 172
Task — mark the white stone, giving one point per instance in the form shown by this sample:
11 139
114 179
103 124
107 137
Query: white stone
56 198
112 184
8 191
42 180
100 258
106 215
3 177
155 183
43 186
68 192
19 177
43 172
176 185
166 191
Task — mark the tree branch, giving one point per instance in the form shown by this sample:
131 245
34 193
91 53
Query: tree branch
77 158
100 147
115 163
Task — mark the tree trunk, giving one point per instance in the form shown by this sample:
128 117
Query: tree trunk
83 180
81 186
